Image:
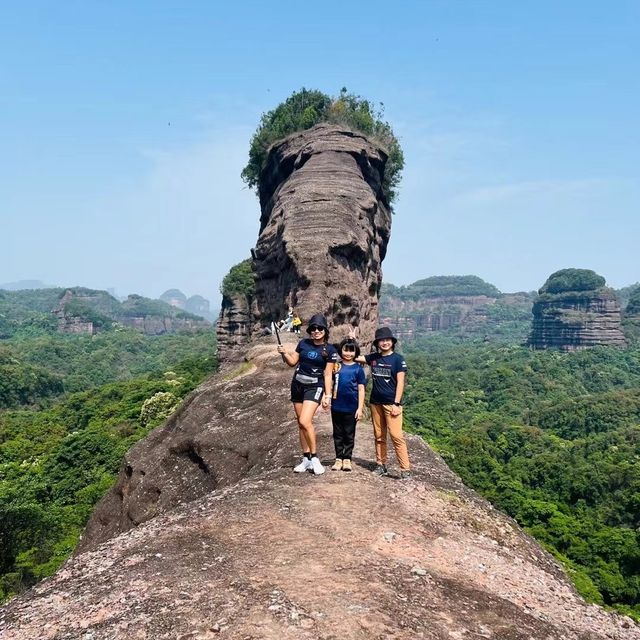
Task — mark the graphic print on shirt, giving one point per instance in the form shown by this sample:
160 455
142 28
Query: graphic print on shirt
311 365
384 371
346 379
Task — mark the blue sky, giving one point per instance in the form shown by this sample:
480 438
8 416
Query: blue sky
124 127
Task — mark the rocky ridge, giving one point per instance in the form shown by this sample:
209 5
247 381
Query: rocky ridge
256 551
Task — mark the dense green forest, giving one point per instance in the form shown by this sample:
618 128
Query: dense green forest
552 439
70 407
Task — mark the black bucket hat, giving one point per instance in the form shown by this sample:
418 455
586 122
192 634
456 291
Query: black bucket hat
318 320
384 333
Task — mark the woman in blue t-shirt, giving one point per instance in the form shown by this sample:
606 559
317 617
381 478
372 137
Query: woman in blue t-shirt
347 402
313 359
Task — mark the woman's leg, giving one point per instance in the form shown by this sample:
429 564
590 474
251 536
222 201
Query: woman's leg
378 419
397 437
304 445
305 424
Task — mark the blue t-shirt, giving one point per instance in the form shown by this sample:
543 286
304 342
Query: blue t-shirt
384 372
346 378
311 365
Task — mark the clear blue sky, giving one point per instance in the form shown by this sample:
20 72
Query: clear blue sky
124 127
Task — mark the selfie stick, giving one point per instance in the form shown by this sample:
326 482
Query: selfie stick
275 324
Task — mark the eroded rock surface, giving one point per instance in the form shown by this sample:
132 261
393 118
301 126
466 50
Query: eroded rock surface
231 427
233 330
294 556
576 320
324 230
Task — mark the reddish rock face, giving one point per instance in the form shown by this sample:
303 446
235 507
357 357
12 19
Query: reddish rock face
233 328
576 320
324 230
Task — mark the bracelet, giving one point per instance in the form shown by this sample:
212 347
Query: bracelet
397 404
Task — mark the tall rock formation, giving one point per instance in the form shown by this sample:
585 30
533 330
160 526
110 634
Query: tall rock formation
576 311
324 229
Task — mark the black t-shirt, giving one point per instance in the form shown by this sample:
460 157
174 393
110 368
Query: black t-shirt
312 361
384 373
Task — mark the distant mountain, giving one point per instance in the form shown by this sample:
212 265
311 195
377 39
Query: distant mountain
25 284
195 304
83 310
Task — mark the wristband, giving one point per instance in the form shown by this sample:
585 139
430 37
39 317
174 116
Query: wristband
397 404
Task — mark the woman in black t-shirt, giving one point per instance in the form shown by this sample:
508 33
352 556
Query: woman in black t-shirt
313 360
388 372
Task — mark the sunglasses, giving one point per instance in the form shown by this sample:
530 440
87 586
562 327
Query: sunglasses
349 347
316 328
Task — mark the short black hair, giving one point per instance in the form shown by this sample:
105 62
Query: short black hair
350 342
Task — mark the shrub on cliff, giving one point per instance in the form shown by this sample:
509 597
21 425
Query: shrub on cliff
304 109
239 281
633 306
572 280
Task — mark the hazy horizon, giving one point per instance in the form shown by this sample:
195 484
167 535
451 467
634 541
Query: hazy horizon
125 129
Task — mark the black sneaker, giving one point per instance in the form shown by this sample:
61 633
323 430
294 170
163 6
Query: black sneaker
406 475
380 470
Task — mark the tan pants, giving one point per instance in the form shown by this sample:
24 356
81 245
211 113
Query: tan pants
383 421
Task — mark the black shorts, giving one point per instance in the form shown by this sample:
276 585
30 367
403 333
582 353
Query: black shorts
301 392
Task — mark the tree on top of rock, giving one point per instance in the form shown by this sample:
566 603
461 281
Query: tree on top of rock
633 306
304 109
239 281
567 280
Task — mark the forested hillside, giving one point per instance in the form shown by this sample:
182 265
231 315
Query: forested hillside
70 407
553 439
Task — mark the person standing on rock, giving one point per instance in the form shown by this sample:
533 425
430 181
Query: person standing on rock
313 359
347 402
388 370
296 323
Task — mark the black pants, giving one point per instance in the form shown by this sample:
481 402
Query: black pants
344 433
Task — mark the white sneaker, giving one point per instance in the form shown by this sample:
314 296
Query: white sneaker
316 466
305 465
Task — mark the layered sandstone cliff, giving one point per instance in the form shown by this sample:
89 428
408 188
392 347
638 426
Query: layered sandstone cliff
324 229
577 321
233 329
410 318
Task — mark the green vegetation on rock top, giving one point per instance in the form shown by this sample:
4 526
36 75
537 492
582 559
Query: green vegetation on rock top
633 306
442 286
304 109
573 280
239 281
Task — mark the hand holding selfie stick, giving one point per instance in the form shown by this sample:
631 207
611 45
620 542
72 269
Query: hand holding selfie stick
274 322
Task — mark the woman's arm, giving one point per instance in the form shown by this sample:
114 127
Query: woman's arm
396 409
291 359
